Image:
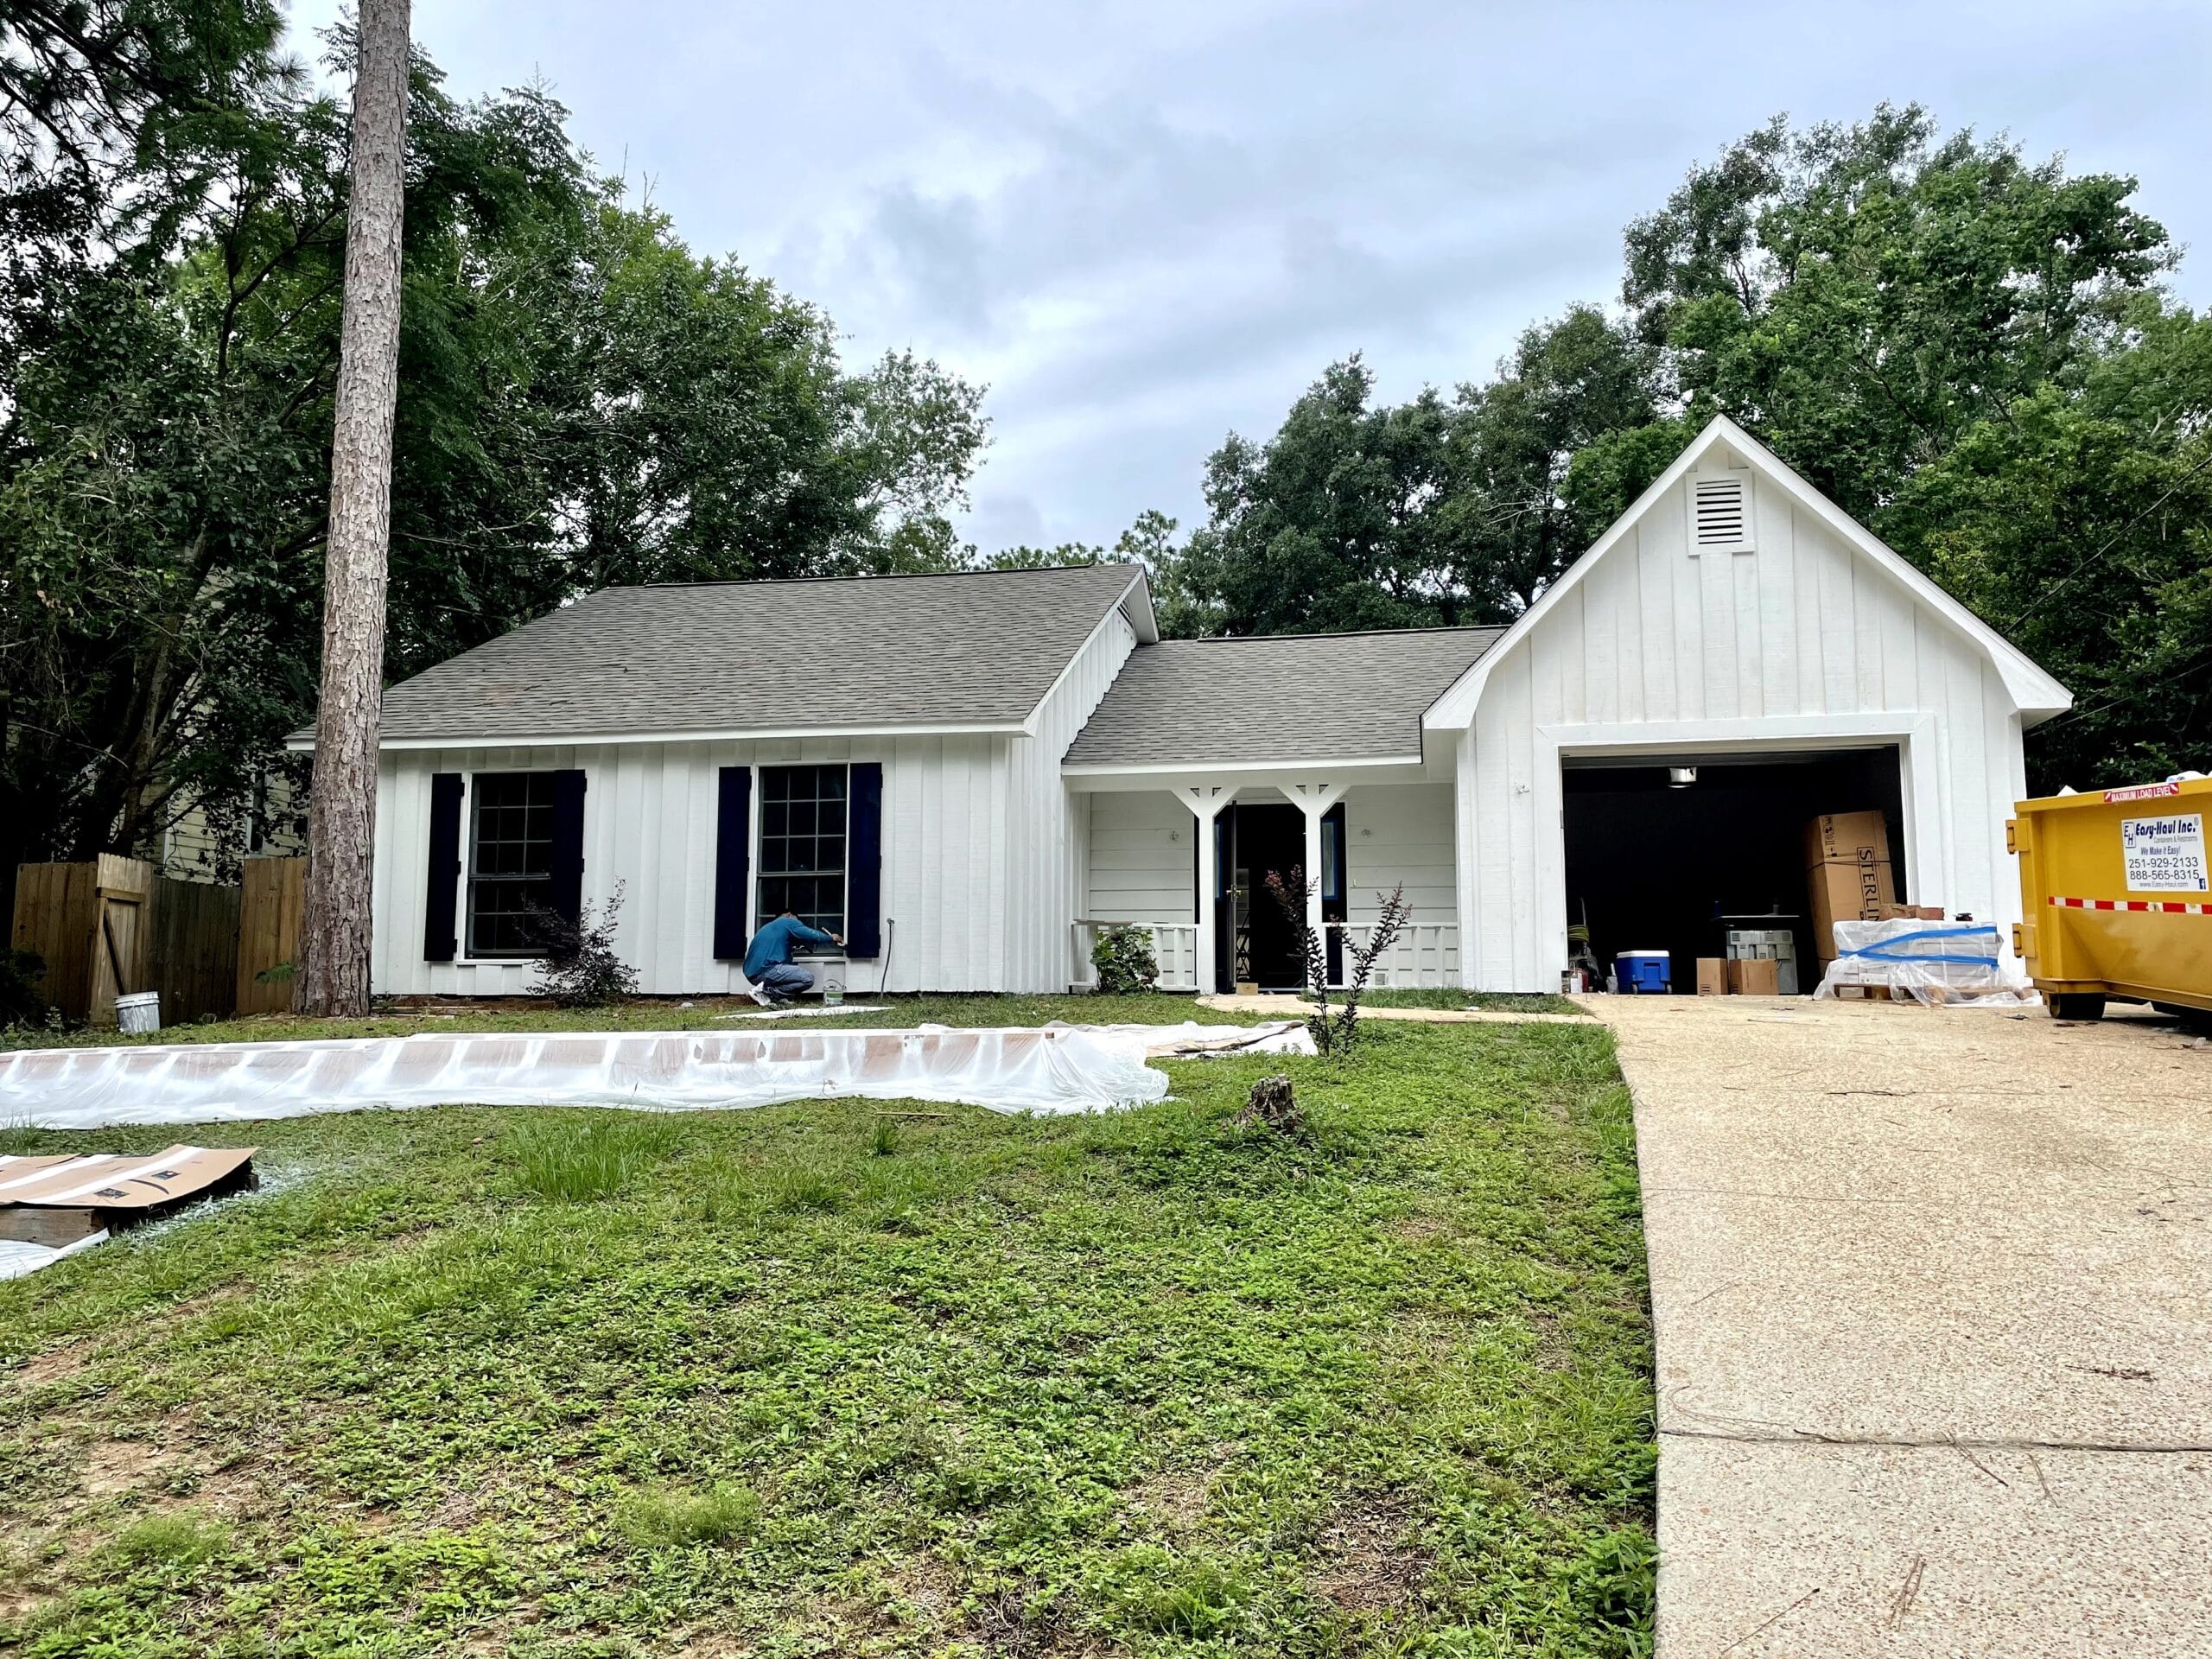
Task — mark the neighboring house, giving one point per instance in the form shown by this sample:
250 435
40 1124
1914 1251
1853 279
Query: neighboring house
967 774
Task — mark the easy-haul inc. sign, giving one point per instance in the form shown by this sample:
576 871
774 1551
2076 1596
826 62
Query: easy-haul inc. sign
2164 854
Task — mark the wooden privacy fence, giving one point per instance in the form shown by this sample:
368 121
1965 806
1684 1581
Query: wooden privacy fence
113 925
269 906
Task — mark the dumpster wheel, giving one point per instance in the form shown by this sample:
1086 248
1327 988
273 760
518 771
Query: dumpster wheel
2078 1005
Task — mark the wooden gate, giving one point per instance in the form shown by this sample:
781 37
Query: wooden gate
270 904
192 958
89 923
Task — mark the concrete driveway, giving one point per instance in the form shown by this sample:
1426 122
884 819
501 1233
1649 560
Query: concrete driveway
1934 1297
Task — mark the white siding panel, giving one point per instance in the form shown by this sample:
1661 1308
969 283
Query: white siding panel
1802 628
1140 858
963 911
1401 833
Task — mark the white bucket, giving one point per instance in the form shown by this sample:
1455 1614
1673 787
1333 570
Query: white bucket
140 1011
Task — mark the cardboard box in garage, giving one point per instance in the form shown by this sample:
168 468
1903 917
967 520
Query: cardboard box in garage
1712 976
1847 873
1754 976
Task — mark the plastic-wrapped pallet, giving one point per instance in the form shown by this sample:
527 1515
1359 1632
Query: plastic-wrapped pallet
1951 964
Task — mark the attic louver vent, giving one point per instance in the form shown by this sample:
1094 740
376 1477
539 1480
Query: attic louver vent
1720 514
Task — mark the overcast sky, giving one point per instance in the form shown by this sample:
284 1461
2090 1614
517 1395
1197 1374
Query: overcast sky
1143 226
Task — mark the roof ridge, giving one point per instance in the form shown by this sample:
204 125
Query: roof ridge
868 576
1342 633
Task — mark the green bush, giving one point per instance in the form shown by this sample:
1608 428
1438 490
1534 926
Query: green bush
1122 955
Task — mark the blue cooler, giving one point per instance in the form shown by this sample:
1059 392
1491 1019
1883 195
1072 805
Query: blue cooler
1644 973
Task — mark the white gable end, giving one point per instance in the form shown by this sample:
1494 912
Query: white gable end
1733 608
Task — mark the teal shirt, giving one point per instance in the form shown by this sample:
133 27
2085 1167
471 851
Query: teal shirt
773 946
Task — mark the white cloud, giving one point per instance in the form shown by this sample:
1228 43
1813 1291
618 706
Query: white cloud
1143 224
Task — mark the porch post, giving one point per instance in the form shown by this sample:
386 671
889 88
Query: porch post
1314 800
1205 802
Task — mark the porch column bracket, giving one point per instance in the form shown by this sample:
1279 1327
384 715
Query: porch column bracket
1205 802
1314 800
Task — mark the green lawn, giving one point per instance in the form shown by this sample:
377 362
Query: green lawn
825 1379
714 1014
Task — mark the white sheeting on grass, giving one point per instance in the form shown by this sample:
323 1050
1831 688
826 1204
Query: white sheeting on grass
1058 1069
19 1260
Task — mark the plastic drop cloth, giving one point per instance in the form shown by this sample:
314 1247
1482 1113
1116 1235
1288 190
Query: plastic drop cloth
1055 1070
1948 964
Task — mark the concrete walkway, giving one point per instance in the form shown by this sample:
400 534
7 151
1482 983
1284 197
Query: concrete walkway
1285 1005
1934 1297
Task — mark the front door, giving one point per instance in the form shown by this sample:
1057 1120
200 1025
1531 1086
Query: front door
1265 941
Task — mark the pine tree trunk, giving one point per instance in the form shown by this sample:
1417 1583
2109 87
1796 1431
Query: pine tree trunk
334 977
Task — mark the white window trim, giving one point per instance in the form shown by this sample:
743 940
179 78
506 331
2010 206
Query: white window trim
461 956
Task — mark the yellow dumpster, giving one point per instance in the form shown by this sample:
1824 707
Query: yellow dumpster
2113 889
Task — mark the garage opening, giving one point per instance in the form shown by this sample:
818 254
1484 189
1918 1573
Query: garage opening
1660 850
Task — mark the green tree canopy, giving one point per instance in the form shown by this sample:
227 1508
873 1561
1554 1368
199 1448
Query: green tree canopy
1971 352
582 400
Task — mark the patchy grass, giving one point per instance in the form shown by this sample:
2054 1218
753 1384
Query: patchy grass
656 1013
787 1384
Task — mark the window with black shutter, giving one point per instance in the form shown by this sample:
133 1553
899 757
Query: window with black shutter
802 844
511 833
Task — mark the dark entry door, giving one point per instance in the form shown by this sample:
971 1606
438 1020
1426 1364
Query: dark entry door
1265 838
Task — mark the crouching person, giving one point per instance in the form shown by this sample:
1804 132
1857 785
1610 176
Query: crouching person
776 979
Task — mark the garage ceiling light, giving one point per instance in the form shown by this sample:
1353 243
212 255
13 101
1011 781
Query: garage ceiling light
1681 777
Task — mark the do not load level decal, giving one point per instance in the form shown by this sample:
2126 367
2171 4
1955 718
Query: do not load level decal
2164 854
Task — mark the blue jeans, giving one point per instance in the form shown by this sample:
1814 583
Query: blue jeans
786 980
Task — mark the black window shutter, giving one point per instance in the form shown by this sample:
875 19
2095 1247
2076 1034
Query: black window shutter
733 861
1337 909
565 894
864 863
442 884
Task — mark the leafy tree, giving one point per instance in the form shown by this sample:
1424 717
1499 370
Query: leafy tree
582 400
1325 527
1860 295
1969 353
1434 512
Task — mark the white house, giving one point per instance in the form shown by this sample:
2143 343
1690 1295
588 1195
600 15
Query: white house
966 774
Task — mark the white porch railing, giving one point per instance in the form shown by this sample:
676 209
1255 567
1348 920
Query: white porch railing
1174 947
1426 956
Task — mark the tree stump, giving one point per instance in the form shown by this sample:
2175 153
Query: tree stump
1272 1106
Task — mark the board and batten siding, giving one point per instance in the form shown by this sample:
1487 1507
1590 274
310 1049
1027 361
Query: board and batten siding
1140 861
650 823
1803 643
980 852
1045 848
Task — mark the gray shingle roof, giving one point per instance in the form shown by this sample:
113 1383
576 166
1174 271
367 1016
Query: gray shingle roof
1326 696
973 648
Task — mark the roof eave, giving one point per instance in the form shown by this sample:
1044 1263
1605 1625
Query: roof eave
547 740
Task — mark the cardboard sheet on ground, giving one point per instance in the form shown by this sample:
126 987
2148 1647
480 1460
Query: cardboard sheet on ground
1052 1069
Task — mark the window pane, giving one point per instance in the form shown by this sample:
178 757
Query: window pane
802 844
510 860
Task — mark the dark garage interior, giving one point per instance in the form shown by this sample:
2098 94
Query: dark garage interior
1652 866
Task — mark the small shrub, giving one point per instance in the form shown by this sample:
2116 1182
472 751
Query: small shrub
180 1540
572 1162
1122 955
581 968
1336 1033
670 1518
887 1136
